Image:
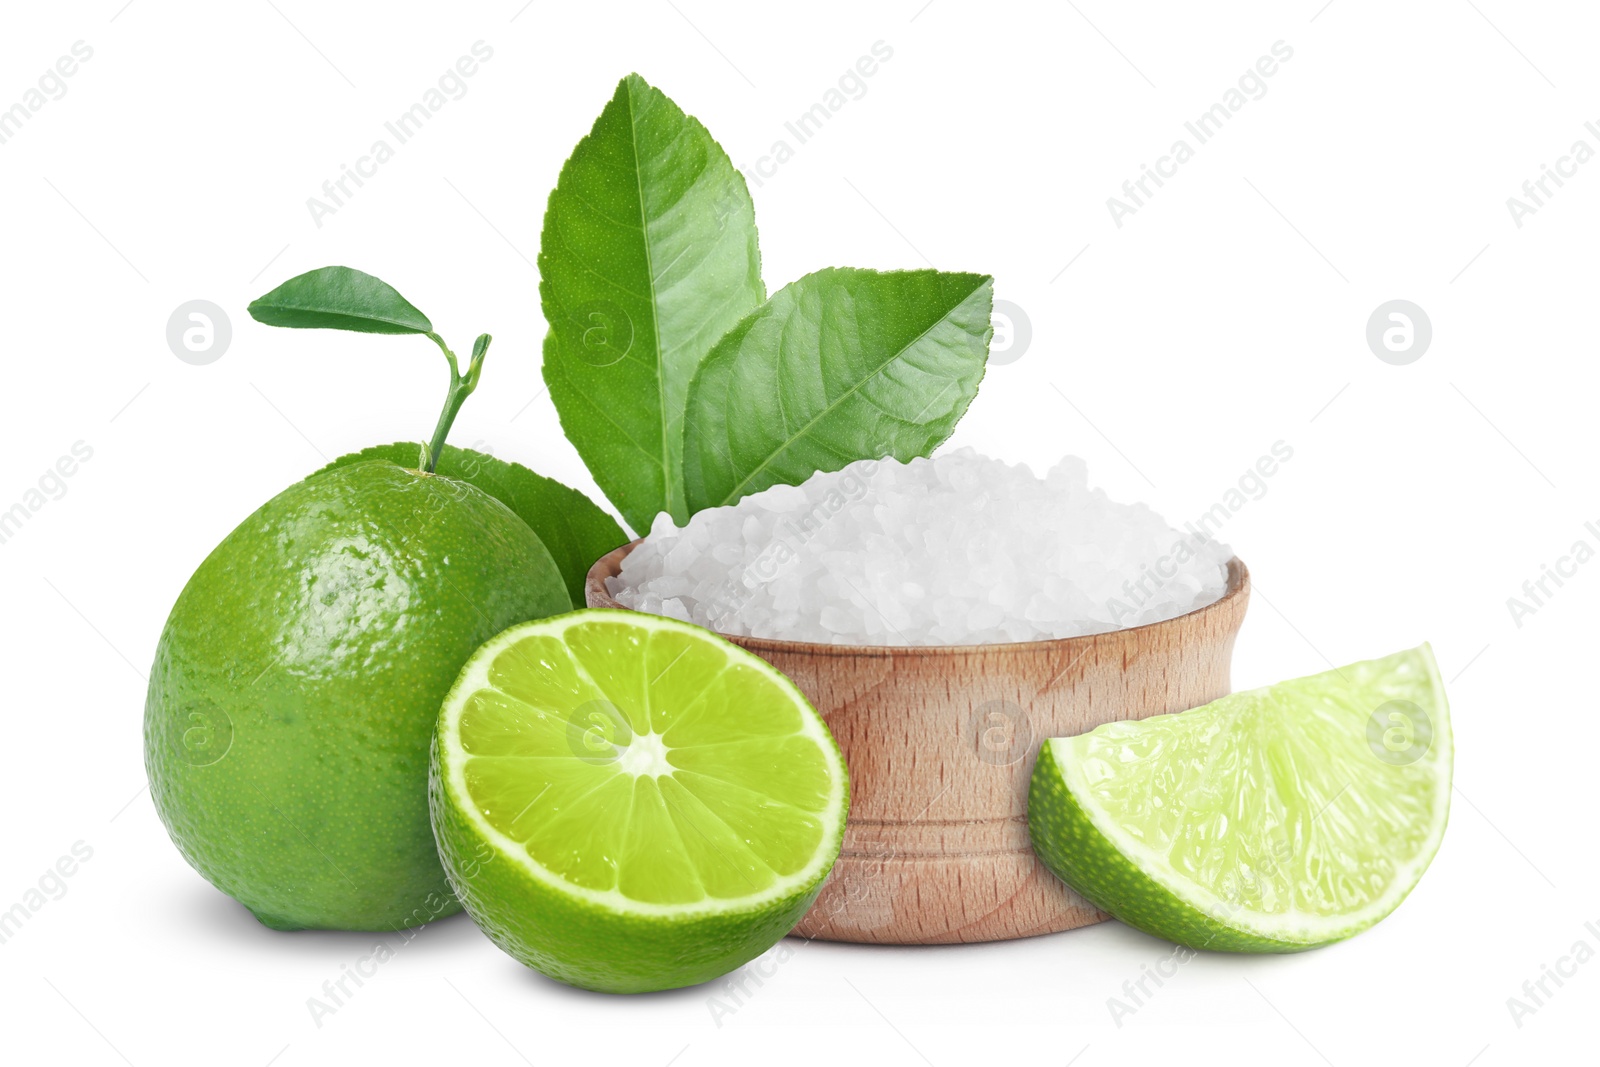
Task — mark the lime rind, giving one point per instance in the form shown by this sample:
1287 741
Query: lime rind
1105 859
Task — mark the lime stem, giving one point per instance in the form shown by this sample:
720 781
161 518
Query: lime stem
461 387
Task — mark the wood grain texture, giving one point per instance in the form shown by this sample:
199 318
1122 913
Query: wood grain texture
940 743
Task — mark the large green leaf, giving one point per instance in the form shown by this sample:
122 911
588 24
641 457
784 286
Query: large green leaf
842 365
647 257
339 298
574 530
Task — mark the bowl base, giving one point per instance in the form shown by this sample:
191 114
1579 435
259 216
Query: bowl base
879 899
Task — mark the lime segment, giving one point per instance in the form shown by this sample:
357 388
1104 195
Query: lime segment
1273 820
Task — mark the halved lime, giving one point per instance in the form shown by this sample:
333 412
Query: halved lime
627 802
1274 820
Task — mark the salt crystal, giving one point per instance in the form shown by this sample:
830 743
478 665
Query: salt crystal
959 549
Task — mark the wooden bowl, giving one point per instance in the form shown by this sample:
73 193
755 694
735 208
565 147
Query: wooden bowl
940 742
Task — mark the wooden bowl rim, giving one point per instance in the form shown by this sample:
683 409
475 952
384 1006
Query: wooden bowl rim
610 564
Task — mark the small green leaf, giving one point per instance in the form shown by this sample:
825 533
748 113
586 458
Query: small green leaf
842 365
339 298
574 530
648 255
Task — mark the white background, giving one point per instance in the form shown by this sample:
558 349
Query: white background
1227 314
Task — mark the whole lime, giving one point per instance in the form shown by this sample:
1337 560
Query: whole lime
298 679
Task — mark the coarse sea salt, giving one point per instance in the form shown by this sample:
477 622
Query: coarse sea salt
955 550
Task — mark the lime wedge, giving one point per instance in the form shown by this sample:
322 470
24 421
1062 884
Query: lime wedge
628 803
1275 820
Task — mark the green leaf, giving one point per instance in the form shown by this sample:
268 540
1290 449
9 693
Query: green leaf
648 256
842 365
339 298
574 530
